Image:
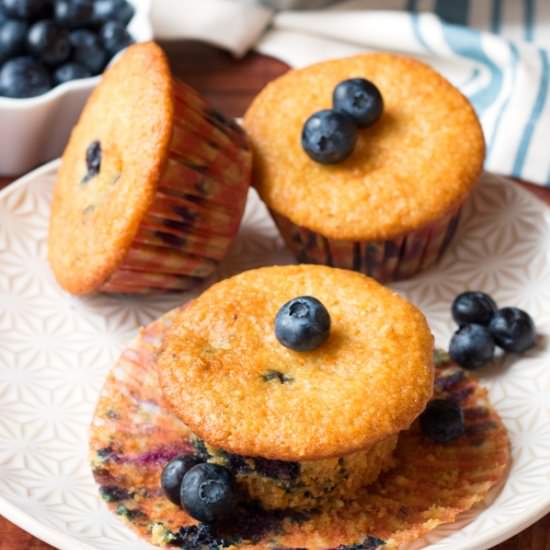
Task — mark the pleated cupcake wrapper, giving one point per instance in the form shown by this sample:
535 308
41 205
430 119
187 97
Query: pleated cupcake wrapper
198 205
133 435
385 261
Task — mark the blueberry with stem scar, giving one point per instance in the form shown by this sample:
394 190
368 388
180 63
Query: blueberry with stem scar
360 99
302 324
328 136
208 492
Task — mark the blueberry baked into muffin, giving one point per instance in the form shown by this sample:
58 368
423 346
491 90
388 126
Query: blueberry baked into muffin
365 162
277 411
152 184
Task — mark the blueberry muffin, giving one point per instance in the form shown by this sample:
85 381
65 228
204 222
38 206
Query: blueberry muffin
152 184
365 162
308 406
135 440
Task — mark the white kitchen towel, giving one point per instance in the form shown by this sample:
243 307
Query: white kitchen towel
496 51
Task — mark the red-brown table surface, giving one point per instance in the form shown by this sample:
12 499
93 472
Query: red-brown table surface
230 84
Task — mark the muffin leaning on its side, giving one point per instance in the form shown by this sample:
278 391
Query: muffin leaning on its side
391 208
297 428
152 185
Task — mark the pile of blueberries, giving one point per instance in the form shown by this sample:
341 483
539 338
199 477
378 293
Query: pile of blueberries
329 136
44 43
482 326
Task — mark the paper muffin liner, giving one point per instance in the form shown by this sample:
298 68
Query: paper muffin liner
198 205
385 261
133 435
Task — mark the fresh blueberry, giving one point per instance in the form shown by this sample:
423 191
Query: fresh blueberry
360 99
24 77
113 10
25 9
208 492
74 13
115 37
472 346
13 37
49 42
442 420
70 71
88 51
513 329
473 307
328 136
172 475
302 324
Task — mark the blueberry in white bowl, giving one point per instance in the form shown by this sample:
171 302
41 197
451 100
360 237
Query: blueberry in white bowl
49 42
55 32
70 71
24 77
88 50
13 38
74 13
27 104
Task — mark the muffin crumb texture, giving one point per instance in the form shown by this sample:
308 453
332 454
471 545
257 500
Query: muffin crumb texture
367 382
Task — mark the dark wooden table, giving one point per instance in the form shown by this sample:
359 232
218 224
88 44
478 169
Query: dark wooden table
230 85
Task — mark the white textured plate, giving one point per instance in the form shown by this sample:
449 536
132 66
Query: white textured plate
55 351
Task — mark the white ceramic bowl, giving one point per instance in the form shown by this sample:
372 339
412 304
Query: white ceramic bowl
35 130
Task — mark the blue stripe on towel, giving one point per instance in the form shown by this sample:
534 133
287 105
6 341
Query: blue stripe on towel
538 107
529 19
415 21
496 17
515 58
467 43
454 12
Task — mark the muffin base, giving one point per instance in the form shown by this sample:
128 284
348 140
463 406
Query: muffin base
133 436
385 261
198 205
278 484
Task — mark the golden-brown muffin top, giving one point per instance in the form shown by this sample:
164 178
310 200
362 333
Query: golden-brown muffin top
94 220
369 380
414 165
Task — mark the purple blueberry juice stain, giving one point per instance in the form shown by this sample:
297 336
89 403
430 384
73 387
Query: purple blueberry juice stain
462 394
447 382
150 458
